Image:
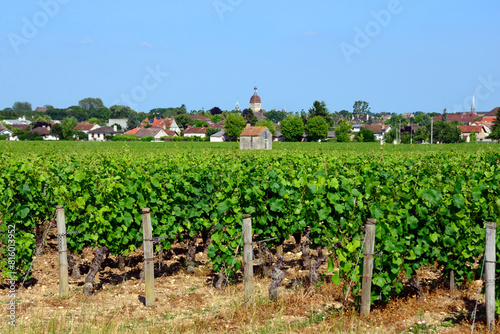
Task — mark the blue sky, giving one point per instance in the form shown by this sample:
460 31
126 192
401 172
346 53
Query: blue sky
400 56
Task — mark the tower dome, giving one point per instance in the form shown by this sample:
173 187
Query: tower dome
255 101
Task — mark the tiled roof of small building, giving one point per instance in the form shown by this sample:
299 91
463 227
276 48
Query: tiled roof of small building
253 131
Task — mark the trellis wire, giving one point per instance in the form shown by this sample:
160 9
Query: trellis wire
477 299
44 237
354 272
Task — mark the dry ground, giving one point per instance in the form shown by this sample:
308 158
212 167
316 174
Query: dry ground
189 303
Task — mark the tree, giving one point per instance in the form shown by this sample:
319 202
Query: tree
292 128
269 124
473 137
234 125
215 111
67 126
90 103
446 132
43 119
345 114
425 119
365 135
132 121
94 120
201 124
275 116
216 118
343 131
22 106
318 109
183 120
316 128
360 108
57 131
118 111
251 118
495 130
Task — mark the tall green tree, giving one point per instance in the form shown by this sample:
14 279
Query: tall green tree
90 103
318 109
234 125
183 120
67 126
316 128
132 121
343 131
269 124
251 118
360 109
292 128
22 106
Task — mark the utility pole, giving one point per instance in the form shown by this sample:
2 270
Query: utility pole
411 134
399 131
432 127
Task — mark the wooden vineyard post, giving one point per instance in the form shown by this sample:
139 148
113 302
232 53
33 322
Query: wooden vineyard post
366 286
149 275
248 258
489 274
63 256
279 250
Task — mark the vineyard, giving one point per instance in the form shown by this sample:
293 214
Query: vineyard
431 204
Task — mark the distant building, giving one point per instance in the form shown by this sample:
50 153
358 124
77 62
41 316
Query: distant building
218 137
123 122
255 102
256 138
237 106
100 134
195 132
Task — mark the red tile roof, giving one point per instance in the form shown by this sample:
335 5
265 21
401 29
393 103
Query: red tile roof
470 128
132 132
41 131
199 118
461 118
195 130
253 131
84 126
493 112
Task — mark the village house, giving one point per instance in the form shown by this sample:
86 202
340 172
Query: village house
195 132
379 130
256 138
100 134
86 127
218 137
481 132
44 132
156 133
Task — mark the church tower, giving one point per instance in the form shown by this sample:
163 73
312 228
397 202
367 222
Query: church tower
473 106
255 102
237 107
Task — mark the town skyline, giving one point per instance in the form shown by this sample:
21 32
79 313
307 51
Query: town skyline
400 56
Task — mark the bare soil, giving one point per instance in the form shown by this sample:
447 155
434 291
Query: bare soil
190 304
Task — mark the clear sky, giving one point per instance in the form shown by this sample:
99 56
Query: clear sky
400 56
